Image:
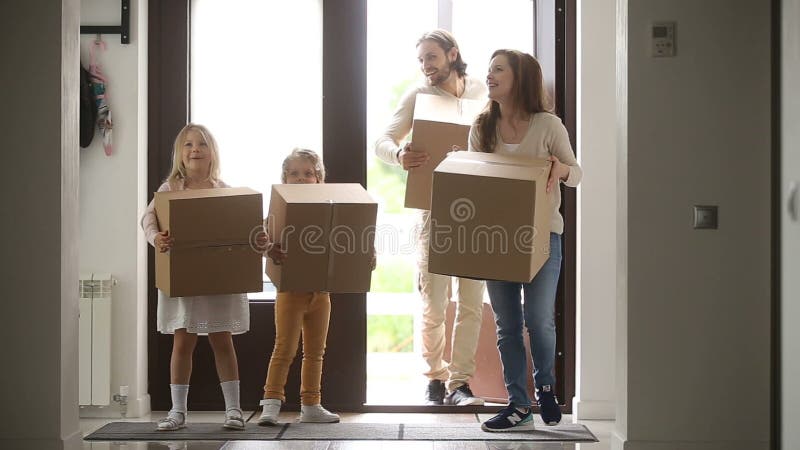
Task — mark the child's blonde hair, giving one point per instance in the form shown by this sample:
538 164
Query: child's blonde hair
178 171
308 155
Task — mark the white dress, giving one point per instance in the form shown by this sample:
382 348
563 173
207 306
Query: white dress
203 314
199 314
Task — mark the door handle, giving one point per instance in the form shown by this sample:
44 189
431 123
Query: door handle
792 202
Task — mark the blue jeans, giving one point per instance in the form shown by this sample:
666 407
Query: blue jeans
537 310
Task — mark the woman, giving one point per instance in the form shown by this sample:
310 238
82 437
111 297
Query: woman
518 121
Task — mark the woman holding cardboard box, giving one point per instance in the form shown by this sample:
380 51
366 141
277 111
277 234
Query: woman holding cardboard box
518 121
195 165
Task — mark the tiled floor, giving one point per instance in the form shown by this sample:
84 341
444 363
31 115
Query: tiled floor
601 429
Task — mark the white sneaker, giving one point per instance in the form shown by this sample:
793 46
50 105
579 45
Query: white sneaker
269 415
317 414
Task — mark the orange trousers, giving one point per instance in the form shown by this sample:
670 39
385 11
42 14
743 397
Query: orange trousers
299 314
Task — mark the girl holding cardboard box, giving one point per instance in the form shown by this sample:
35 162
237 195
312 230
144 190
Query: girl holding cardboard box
195 165
298 314
518 121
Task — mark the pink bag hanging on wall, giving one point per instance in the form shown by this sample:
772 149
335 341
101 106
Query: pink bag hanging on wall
104 122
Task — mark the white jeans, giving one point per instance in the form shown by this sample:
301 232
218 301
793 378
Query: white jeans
467 325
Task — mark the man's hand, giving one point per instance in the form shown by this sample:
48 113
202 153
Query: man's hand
410 159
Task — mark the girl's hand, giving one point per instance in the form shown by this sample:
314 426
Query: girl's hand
276 254
558 171
163 242
373 261
262 241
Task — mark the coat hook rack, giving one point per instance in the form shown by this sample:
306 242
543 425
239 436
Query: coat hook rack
123 30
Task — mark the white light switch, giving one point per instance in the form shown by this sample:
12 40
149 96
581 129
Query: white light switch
662 36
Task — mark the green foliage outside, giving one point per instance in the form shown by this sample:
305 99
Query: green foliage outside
393 274
390 333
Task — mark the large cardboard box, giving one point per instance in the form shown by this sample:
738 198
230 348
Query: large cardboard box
328 232
440 123
212 229
490 217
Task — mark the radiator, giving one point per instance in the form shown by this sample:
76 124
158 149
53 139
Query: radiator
94 339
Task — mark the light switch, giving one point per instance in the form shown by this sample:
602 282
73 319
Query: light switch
705 217
663 39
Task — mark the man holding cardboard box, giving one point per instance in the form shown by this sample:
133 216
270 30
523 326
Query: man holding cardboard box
445 72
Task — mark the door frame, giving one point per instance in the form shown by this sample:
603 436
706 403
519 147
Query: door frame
344 141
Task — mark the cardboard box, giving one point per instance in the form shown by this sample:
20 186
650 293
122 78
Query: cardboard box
439 123
212 253
490 217
328 232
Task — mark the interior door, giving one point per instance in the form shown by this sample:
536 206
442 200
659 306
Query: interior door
249 95
790 226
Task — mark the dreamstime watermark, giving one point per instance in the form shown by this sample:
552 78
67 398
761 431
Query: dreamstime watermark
459 235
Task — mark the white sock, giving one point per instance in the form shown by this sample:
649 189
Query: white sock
180 393
230 390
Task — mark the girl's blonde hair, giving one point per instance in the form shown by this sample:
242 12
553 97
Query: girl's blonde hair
178 171
310 156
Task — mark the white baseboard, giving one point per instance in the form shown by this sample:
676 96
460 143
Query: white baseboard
593 409
137 407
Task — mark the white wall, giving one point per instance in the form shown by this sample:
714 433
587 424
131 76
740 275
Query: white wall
112 200
597 273
695 315
39 192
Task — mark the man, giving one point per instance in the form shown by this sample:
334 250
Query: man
445 74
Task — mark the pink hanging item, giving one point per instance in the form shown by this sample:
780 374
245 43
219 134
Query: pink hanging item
98 80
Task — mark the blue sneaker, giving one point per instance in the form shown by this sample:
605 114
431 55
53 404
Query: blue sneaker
548 405
510 419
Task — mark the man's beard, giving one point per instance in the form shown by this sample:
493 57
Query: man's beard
441 75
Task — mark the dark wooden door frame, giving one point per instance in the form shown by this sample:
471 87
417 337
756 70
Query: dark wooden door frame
344 135
344 142
776 69
566 90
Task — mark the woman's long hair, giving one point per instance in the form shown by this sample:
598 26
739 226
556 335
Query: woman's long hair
527 92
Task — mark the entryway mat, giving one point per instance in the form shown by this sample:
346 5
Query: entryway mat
353 431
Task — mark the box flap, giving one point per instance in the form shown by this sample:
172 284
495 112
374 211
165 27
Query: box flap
440 108
492 165
323 193
209 217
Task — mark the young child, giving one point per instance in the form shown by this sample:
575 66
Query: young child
195 165
296 314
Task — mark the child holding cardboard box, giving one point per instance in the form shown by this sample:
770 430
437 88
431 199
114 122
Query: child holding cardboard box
518 121
298 314
195 165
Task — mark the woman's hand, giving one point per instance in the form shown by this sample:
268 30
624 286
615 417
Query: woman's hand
276 254
163 242
558 171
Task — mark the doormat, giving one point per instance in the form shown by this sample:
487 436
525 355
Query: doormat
146 431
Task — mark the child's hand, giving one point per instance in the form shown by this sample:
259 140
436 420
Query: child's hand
276 254
163 242
262 241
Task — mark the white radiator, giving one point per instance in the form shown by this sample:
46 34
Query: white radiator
94 341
